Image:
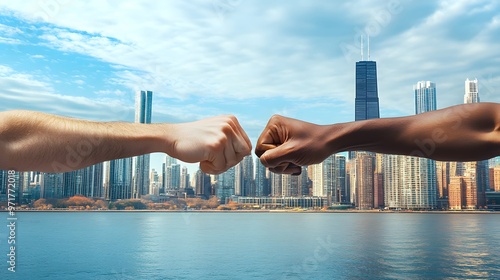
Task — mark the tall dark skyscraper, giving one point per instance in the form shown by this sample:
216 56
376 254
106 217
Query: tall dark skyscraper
143 110
367 106
366 103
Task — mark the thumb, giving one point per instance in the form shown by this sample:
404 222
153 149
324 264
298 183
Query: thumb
276 156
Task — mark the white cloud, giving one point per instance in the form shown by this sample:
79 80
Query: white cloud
183 49
116 92
24 91
10 41
9 30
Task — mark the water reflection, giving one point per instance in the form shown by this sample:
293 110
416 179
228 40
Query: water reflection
469 252
259 246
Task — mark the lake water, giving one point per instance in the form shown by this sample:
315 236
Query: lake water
194 245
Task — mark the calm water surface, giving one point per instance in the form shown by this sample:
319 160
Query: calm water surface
100 245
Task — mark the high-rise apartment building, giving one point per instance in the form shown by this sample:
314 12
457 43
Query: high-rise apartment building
425 101
329 178
184 178
143 111
3 183
411 182
118 179
425 97
261 181
393 181
203 186
378 182
462 193
471 91
244 183
51 185
276 184
225 183
86 182
171 174
154 182
304 182
479 171
365 164
495 179
290 185
443 178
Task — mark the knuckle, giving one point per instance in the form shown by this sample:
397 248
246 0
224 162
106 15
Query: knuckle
276 118
226 128
217 144
232 118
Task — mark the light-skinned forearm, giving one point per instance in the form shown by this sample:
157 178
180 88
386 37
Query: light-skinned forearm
459 133
42 142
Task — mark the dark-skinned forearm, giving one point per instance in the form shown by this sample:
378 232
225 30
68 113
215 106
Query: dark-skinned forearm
459 133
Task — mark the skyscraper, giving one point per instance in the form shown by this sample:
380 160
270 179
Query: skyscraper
171 174
203 186
471 91
462 191
118 179
261 180
494 179
366 103
378 182
425 97
244 183
290 185
425 191
143 110
184 178
328 178
443 178
225 184
393 191
410 182
72 182
51 185
365 163
276 184
154 182
478 171
86 182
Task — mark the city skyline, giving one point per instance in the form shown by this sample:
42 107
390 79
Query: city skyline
87 60
411 182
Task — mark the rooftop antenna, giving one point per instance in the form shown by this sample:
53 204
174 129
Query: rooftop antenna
368 48
361 47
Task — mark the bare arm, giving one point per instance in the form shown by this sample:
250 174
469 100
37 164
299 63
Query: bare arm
43 142
460 133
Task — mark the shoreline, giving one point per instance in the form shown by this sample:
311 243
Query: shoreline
263 211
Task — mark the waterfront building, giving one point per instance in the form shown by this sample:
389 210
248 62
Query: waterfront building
143 112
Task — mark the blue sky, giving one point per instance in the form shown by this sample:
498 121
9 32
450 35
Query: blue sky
252 59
